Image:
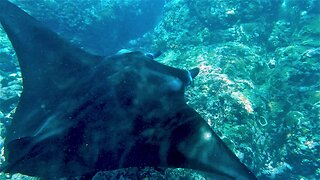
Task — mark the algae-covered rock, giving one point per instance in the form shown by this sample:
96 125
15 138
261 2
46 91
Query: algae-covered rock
223 14
294 118
314 97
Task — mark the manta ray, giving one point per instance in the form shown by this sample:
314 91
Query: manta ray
81 113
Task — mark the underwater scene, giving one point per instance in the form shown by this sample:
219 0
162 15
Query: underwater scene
246 72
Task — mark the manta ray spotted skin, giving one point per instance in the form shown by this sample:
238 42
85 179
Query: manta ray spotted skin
80 113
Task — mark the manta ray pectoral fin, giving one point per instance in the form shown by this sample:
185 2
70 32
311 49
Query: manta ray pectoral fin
37 47
50 67
19 147
196 146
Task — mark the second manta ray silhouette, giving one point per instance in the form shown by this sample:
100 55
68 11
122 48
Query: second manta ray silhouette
80 113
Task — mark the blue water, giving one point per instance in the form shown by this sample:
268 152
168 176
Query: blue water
102 26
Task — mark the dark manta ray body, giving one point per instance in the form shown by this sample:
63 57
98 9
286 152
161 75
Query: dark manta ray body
80 113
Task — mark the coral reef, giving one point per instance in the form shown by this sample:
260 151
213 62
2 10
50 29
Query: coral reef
259 77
